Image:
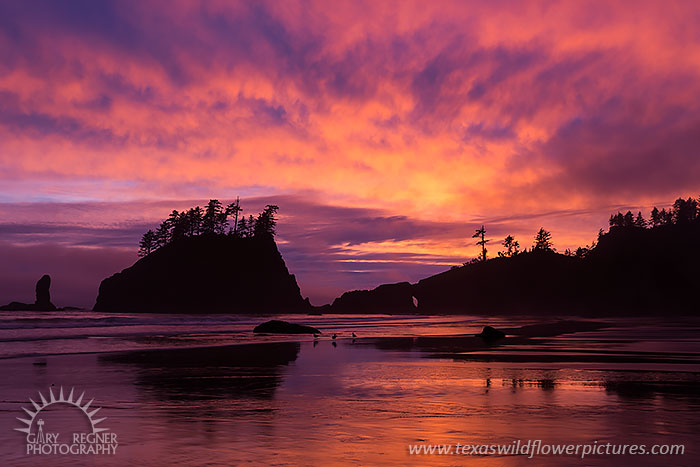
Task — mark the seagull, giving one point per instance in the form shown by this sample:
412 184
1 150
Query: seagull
315 336
334 336
354 335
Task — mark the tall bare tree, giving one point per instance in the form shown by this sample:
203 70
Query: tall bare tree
234 209
481 233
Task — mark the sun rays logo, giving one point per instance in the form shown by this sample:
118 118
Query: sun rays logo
91 440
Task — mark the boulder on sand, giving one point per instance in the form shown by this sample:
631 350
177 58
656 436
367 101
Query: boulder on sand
489 333
283 327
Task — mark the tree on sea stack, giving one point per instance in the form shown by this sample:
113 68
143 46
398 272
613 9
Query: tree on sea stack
640 222
234 209
543 241
195 217
266 222
242 229
178 225
481 233
655 217
212 221
685 211
148 243
162 236
249 227
512 247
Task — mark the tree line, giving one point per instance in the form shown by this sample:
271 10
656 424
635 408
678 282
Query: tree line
683 212
215 219
542 242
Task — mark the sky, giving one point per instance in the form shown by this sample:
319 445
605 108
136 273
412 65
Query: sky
386 131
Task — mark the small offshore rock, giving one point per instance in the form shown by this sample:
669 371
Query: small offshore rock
283 327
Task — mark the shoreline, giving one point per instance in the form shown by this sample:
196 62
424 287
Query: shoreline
533 343
550 329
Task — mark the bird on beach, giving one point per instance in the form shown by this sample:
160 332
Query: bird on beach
354 335
334 336
315 336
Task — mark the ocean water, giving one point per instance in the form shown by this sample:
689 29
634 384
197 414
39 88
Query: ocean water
204 390
35 333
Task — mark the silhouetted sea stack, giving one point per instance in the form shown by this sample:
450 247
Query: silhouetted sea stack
43 297
387 298
42 302
538 282
631 271
206 274
283 327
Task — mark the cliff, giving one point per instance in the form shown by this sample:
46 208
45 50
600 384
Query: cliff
647 269
387 298
527 283
632 271
205 274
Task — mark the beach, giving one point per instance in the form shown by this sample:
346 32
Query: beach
217 396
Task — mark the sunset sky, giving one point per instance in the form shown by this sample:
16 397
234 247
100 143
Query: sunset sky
385 131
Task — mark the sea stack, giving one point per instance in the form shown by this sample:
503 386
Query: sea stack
206 274
43 296
42 302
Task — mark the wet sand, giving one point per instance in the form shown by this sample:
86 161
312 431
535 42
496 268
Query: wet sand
363 401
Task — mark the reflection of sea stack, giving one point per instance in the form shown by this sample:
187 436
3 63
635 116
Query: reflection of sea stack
42 302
